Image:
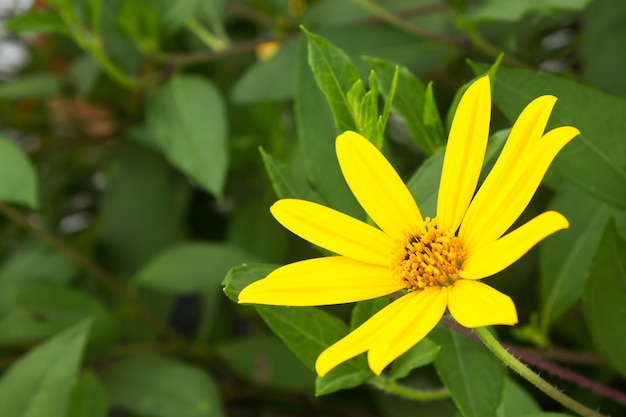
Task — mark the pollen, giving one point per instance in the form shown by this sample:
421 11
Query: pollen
428 256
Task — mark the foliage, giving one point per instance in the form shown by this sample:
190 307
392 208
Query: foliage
143 144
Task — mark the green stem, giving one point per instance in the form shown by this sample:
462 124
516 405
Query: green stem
213 42
93 269
487 48
393 20
526 373
392 387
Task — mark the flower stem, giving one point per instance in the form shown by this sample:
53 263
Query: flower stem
526 373
392 387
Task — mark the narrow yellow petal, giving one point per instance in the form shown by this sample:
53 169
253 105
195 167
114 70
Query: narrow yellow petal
334 231
465 153
361 338
475 304
322 281
516 175
492 213
376 185
408 327
495 256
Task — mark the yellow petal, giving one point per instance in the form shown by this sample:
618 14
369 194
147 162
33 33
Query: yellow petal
493 257
334 231
516 175
321 281
376 185
465 153
408 327
360 339
474 304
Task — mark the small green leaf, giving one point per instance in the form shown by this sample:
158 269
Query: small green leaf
266 361
287 184
40 85
474 377
409 103
422 354
605 292
89 398
335 75
40 383
160 386
187 117
36 21
363 310
190 267
174 14
19 178
424 184
243 275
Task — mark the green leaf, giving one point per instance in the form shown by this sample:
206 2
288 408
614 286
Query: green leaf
605 292
187 118
40 85
316 139
596 159
363 310
515 401
287 184
514 11
307 331
174 14
565 257
36 21
40 309
422 354
142 208
335 75
264 360
602 67
410 102
40 383
160 386
190 267
88 398
19 178
474 377
424 184
243 275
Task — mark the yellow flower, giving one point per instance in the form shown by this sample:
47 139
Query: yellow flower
436 262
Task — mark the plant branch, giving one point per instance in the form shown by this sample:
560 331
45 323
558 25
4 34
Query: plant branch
392 387
525 372
92 268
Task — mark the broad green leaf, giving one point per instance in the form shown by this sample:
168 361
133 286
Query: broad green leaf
190 267
19 178
40 383
335 75
307 331
316 138
241 276
40 309
88 398
565 257
159 386
36 21
141 208
187 118
424 353
474 377
515 401
410 102
596 159
601 66
265 361
604 295
40 85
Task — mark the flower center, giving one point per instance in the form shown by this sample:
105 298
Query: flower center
429 256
